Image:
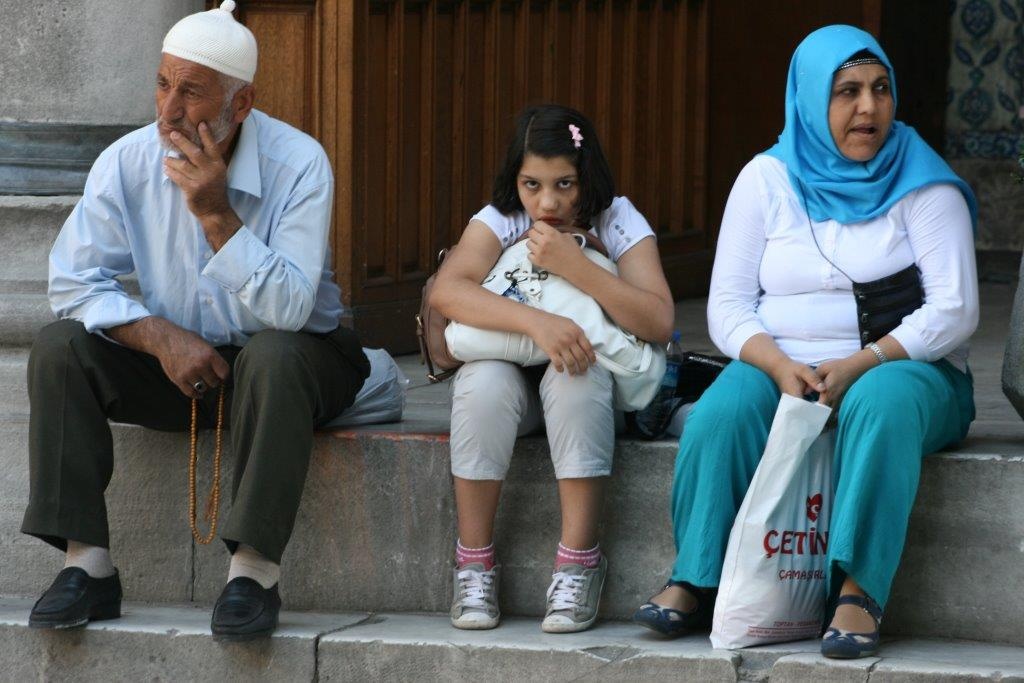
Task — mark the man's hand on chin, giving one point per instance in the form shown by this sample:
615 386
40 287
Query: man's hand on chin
202 177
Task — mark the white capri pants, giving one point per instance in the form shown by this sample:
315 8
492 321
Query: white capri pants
494 402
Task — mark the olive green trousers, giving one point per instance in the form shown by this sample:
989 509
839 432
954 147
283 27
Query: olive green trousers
282 386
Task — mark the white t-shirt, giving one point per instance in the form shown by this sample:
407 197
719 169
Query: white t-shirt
769 276
619 227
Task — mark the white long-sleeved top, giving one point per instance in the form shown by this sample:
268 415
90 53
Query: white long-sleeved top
274 273
769 276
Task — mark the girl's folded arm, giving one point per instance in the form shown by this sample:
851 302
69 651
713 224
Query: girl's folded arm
639 299
457 293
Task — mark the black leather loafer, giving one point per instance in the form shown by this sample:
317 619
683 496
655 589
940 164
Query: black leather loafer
75 598
245 610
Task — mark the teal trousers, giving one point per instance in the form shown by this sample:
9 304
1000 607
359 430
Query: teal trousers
890 418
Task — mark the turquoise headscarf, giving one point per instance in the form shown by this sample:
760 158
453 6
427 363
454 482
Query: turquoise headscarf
835 187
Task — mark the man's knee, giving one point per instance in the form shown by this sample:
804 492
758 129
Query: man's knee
50 347
270 353
57 336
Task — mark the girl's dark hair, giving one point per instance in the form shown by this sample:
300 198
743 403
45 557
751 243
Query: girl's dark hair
544 130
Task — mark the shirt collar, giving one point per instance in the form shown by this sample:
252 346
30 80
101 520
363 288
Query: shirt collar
244 169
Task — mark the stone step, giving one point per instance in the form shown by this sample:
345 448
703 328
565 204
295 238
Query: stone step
375 530
13 383
159 643
28 227
25 309
174 643
22 313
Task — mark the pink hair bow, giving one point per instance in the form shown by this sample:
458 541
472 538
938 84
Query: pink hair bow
576 137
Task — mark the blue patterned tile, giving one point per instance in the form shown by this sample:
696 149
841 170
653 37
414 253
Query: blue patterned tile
986 78
977 18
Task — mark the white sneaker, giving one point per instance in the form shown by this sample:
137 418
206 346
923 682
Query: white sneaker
475 603
573 597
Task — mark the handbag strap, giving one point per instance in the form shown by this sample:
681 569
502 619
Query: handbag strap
832 263
594 243
589 240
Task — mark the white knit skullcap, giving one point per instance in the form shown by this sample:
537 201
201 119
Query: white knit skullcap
216 40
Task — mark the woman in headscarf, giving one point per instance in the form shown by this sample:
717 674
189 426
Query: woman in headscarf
848 195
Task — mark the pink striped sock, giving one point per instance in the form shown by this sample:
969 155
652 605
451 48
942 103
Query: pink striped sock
588 558
484 556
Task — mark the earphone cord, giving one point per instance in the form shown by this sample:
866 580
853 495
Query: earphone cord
803 197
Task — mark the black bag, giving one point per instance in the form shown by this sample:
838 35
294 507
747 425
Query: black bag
883 304
696 373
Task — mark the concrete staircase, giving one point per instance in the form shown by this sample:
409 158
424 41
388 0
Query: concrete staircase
369 565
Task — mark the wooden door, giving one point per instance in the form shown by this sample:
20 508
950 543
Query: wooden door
436 86
752 43
414 99
290 70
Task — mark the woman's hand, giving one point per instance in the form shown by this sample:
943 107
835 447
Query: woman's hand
840 374
552 249
796 379
564 343
791 377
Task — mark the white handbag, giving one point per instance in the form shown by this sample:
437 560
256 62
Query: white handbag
637 366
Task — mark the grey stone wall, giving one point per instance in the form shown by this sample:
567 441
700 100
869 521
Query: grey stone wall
1000 201
83 61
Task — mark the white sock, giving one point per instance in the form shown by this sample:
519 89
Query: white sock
248 562
93 559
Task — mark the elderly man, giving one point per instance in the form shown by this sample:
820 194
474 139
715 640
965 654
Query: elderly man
223 213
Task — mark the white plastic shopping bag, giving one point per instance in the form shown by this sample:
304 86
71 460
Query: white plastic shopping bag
773 581
382 396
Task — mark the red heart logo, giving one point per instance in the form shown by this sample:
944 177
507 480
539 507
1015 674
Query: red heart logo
814 507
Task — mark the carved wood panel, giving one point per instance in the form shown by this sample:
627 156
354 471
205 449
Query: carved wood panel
414 99
288 74
436 87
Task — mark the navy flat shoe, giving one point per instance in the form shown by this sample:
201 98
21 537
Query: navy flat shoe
673 622
840 644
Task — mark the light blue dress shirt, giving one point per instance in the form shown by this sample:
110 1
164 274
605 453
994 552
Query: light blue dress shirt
274 273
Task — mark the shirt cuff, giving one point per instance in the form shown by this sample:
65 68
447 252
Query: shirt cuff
237 261
110 311
738 337
912 342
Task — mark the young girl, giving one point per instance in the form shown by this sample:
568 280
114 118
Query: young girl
555 181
